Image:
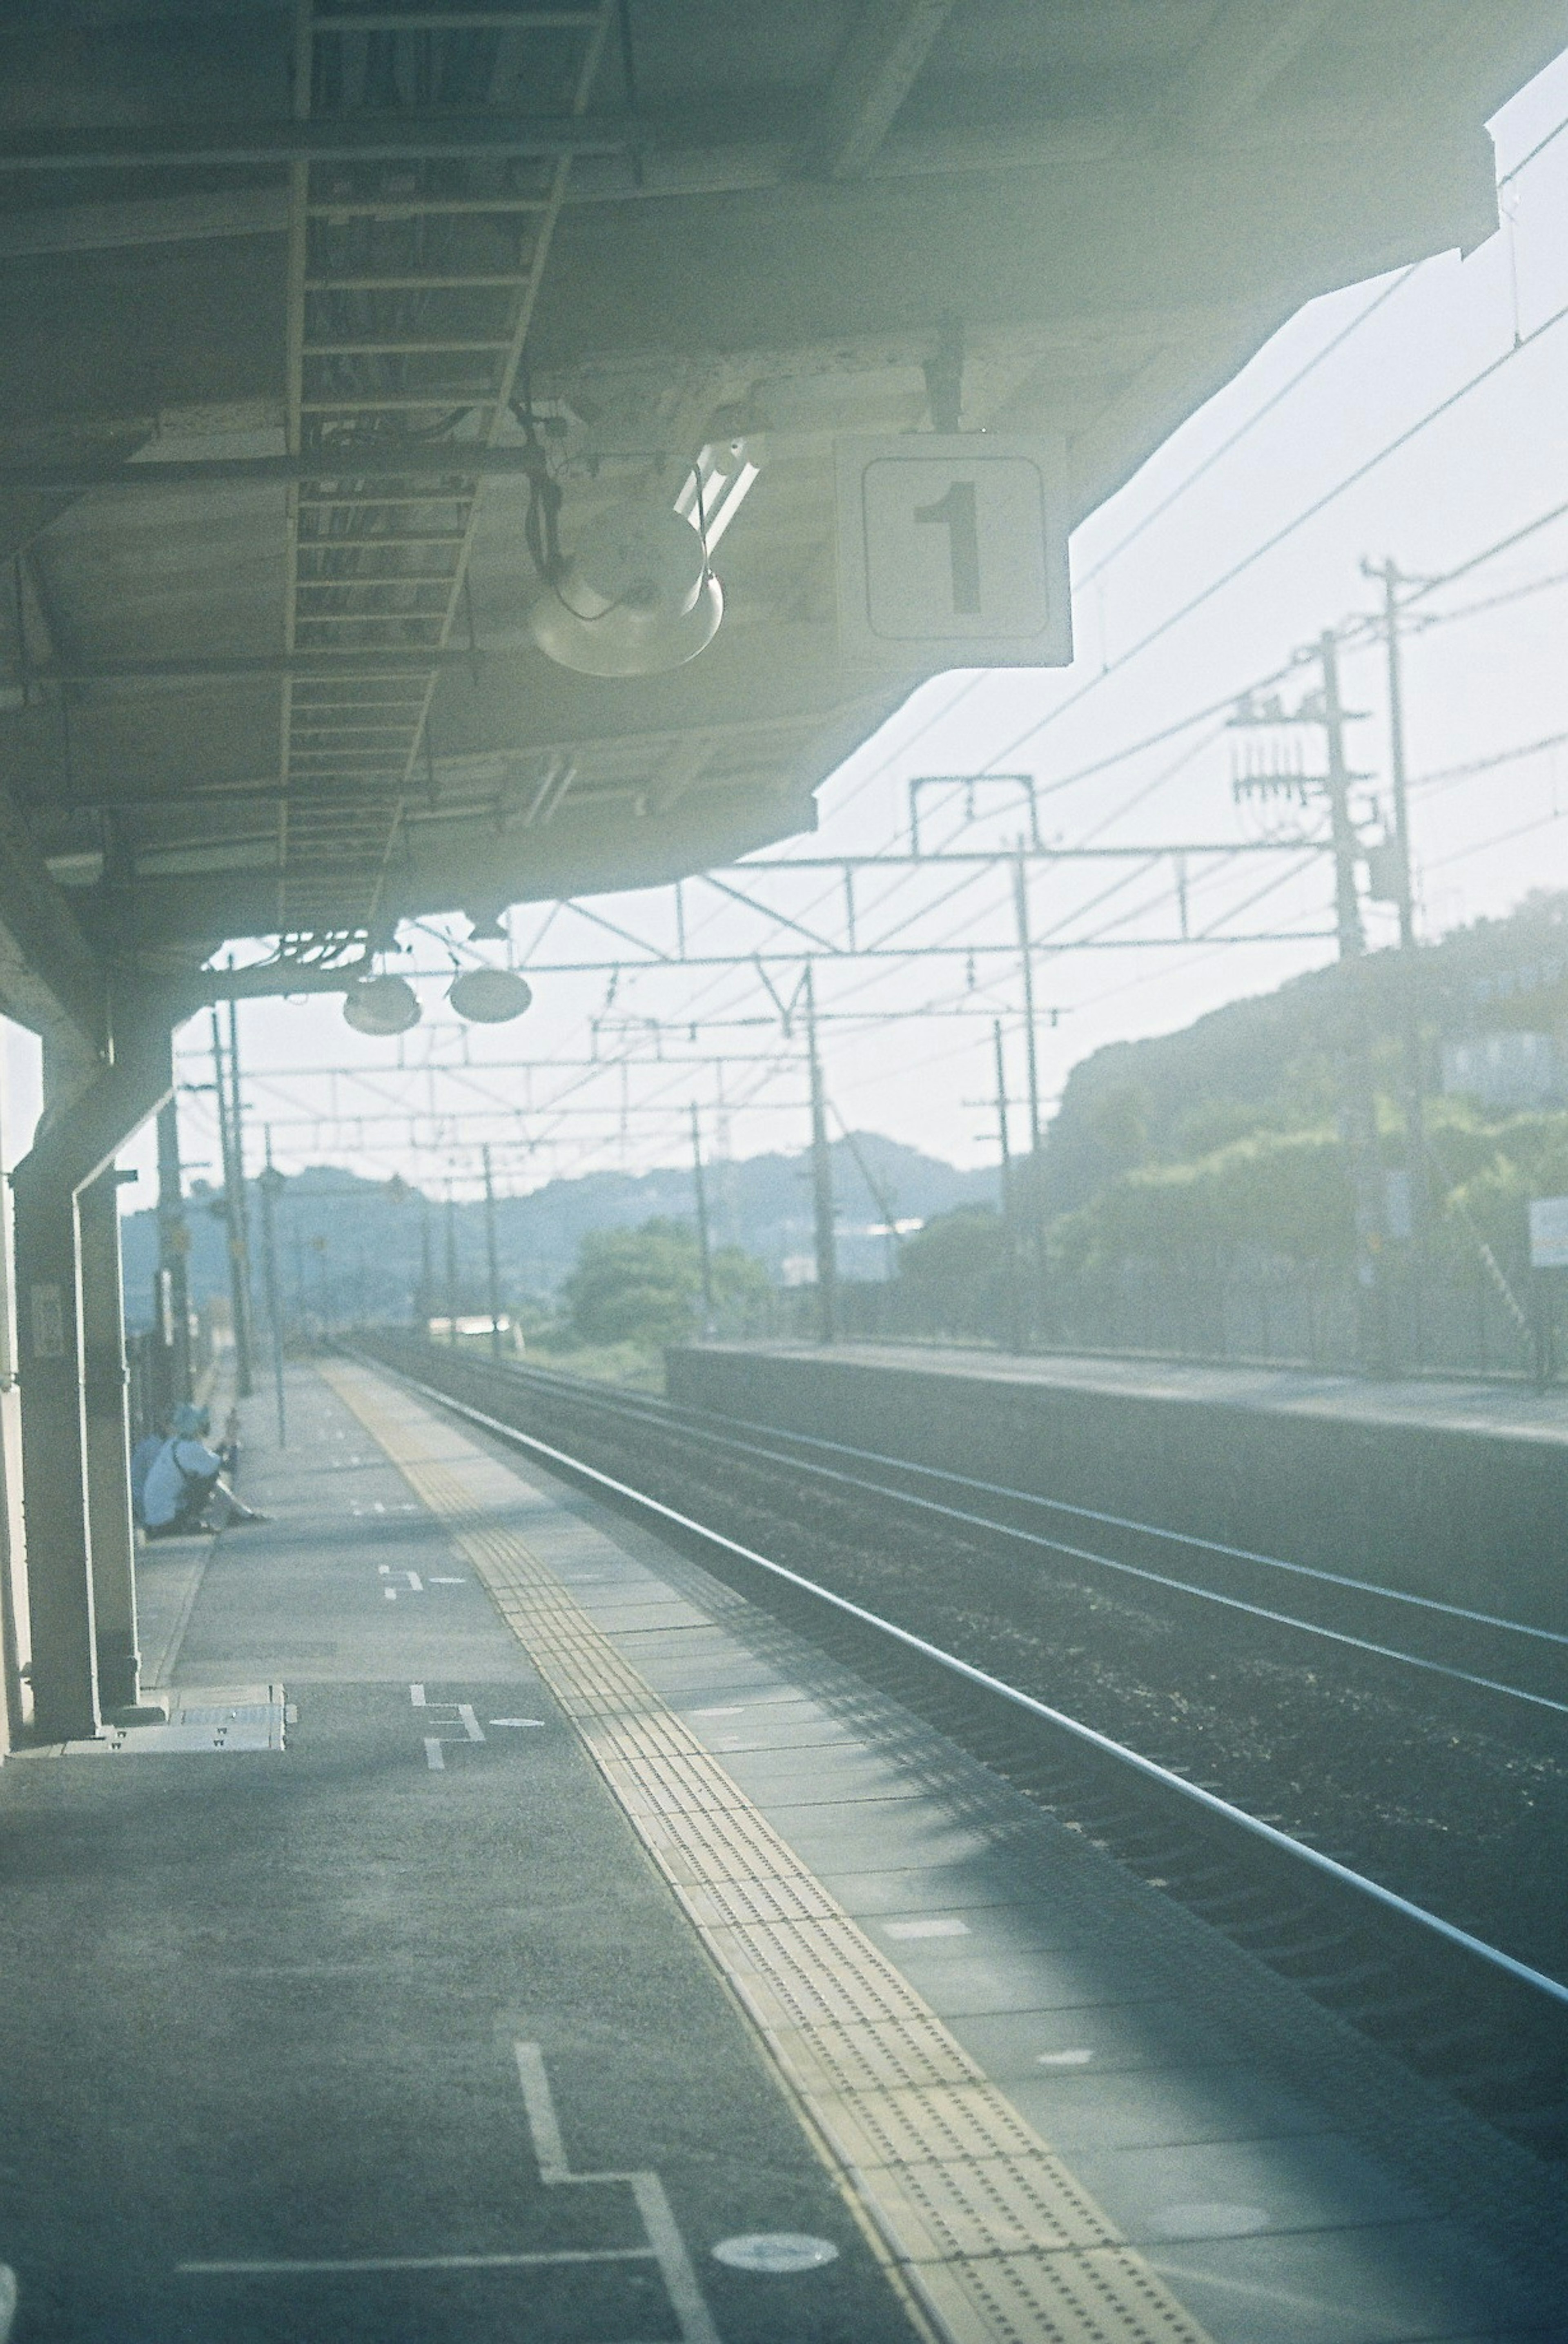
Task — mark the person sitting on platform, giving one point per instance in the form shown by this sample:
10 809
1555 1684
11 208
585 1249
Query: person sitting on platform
184 1489
142 1457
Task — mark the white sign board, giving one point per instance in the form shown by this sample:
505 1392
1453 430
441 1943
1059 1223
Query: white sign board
953 552
1548 1233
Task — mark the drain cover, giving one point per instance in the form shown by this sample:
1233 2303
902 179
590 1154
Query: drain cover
775 2250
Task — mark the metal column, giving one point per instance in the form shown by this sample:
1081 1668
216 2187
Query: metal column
106 1433
75 1143
174 1254
820 1179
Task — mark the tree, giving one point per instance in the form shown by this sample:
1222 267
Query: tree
967 1247
634 1286
645 1285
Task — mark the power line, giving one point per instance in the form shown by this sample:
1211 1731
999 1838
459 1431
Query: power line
973 683
1191 479
1484 846
1446 774
1288 530
1539 148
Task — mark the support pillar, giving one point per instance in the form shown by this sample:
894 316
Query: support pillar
75 1143
111 1538
173 1314
15 1627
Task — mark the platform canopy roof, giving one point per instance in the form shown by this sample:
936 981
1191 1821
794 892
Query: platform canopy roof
316 320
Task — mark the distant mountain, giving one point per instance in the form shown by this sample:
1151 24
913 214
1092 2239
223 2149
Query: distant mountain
351 1248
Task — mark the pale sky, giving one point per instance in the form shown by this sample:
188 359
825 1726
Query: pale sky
1476 686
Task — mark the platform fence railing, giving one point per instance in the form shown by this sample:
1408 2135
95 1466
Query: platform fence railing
1411 1326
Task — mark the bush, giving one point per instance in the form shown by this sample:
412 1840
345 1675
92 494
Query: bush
644 1286
1284 1193
967 1245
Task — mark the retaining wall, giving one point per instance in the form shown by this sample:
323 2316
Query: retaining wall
1472 1518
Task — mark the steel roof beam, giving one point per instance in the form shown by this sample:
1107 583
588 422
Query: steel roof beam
49 974
1246 49
878 68
412 136
456 459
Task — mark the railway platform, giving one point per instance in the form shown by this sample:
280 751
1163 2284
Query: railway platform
1492 1406
517 1931
1457 1491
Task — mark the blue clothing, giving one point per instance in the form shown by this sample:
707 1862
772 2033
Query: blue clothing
142 1456
179 1482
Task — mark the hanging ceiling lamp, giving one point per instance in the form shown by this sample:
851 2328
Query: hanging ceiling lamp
382 1006
489 997
637 598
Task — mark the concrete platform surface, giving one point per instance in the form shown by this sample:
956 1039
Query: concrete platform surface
597 1963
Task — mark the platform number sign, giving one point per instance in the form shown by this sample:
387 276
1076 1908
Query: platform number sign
951 552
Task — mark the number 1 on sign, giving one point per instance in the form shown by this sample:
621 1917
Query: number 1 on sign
955 514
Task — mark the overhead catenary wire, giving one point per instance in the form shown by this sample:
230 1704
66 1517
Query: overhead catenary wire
1278 537
1249 424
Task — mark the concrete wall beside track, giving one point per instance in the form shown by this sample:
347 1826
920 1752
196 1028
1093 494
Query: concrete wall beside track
1474 1518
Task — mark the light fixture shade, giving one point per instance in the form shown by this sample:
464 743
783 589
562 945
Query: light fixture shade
637 597
489 997
382 1006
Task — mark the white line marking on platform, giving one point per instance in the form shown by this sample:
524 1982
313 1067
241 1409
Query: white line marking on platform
677 2268
940 1925
424 2262
448 1582
385 1568
517 1720
1064 2058
736 1709
539 2108
433 1758
471 1723
417 1695
415 1584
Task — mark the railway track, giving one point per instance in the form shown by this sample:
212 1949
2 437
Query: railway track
1459 2003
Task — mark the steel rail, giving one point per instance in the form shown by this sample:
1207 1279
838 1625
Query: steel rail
654 1409
648 1415
577 1469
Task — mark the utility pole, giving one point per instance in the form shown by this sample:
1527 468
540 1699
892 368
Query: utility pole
1391 581
704 1248
271 1185
241 1197
1032 1064
821 1180
1358 1102
231 1150
174 1263
1359 1112
422 1298
1009 1222
1346 846
492 1258
451 1266
1388 574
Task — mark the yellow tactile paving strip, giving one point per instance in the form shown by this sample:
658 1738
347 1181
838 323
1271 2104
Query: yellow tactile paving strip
992 2235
